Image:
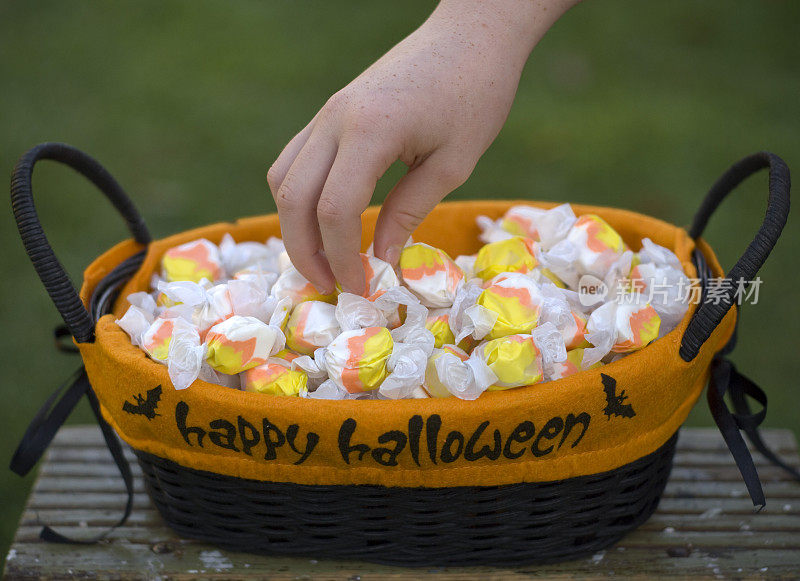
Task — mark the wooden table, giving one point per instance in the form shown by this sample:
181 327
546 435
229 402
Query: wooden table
705 525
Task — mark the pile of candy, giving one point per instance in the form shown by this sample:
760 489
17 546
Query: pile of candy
241 316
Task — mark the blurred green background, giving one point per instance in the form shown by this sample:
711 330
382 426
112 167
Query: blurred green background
632 104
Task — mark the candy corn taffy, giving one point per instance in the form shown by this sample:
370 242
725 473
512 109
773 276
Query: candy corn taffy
597 245
511 305
515 360
512 255
356 360
433 384
241 343
311 325
431 274
293 285
192 261
274 379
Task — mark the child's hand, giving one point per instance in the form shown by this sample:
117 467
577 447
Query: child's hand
435 101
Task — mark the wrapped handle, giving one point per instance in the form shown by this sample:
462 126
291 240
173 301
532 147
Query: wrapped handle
710 314
50 271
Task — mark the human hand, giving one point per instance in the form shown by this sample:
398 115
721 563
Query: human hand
436 101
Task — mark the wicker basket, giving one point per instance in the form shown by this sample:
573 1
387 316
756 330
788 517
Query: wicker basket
508 514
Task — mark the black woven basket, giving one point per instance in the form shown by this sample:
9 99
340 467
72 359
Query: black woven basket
488 525
513 524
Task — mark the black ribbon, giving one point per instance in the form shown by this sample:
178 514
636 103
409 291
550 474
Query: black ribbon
726 379
42 430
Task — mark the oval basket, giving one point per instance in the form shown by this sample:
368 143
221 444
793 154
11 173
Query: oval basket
540 473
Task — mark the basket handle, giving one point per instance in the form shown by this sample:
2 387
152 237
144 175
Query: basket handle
50 270
709 314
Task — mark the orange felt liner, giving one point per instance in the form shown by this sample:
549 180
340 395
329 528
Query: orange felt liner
538 433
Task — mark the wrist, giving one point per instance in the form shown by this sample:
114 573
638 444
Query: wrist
511 27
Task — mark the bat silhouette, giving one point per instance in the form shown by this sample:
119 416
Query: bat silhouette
144 406
614 401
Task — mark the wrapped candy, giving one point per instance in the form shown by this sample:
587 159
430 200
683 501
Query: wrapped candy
286 356
294 286
433 385
406 367
510 305
156 338
250 255
512 255
311 325
514 359
549 294
173 342
192 261
240 343
430 274
597 245
380 275
570 366
202 307
273 378
658 275
620 327
356 360
545 226
438 323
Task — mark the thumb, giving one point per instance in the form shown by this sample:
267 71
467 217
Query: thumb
411 200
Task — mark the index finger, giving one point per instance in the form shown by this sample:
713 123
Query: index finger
346 194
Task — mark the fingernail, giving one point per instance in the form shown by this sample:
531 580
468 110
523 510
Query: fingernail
393 255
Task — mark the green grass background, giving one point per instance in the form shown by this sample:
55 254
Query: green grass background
633 104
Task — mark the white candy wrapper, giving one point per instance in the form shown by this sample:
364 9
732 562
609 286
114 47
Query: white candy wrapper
186 355
467 264
237 257
658 255
354 312
553 225
550 342
466 296
406 367
311 325
135 322
144 301
200 306
314 368
465 379
416 314
596 245
666 288
329 390
492 230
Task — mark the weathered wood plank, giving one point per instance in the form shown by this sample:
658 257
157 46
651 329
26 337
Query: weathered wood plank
187 560
705 526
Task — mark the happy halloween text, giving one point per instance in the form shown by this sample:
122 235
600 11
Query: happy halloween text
424 437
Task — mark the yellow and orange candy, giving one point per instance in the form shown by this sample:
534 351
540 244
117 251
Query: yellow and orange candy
272 378
516 300
356 360
192 261
241 343
512 255
515 360
311 325
431 274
